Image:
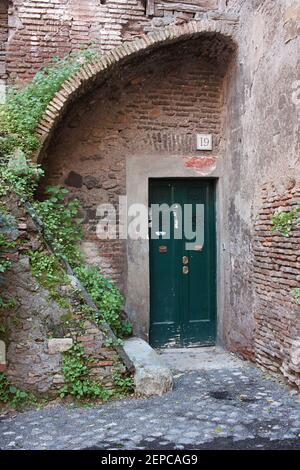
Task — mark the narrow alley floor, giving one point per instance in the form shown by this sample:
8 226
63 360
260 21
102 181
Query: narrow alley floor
224 404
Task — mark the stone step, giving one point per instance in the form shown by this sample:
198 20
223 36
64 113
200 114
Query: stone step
152 376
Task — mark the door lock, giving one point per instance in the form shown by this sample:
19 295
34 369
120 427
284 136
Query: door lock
185 260
185 270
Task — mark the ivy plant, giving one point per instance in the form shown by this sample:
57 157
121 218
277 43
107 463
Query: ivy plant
283 222
12 395
76 376
106 297
62 225
123 382
25 106
46 268
20 175
19 117
6 228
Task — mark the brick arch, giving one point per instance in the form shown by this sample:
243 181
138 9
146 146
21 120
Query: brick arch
89 74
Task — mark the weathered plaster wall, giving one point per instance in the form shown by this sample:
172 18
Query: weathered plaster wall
262 145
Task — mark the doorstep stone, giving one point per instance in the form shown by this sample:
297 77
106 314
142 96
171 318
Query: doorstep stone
152 376
59 345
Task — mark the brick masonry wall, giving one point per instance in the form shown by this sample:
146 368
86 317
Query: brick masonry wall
27 328
276 273
41 29
155 106
3 44
262 144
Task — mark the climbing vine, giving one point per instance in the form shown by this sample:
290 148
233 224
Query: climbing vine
106 297
13 396
285 221
76 376
19 117
24 107
62 227
6 226
62 224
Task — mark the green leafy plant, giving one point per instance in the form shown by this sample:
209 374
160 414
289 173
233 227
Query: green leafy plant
45 268
76 375
123 382
106 297
11 303
24 107
9 394
19 117
285 221
4 265
62 225
20 175
296 293
6 226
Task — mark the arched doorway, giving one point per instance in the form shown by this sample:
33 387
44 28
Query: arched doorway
140 122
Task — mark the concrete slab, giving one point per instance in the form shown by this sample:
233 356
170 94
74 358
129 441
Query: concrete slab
186 359
152 375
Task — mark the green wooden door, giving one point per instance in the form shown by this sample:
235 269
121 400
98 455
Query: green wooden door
182 270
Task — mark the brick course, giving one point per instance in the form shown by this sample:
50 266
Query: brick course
276 273
3 38
42 29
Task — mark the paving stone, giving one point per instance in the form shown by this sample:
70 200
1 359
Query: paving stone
181 419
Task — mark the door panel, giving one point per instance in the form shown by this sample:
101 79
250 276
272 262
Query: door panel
183 281
164 288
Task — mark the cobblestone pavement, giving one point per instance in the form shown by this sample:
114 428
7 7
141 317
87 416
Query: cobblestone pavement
233 408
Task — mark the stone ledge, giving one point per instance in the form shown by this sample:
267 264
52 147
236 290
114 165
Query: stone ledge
152 376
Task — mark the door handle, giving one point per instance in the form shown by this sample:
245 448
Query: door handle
185 260
185 270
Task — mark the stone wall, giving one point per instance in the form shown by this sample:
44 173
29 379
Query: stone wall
262 144
276 273
36 330
155 106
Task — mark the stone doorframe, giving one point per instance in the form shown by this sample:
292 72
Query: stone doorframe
139 169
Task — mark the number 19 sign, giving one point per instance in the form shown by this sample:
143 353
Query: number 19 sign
204 142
